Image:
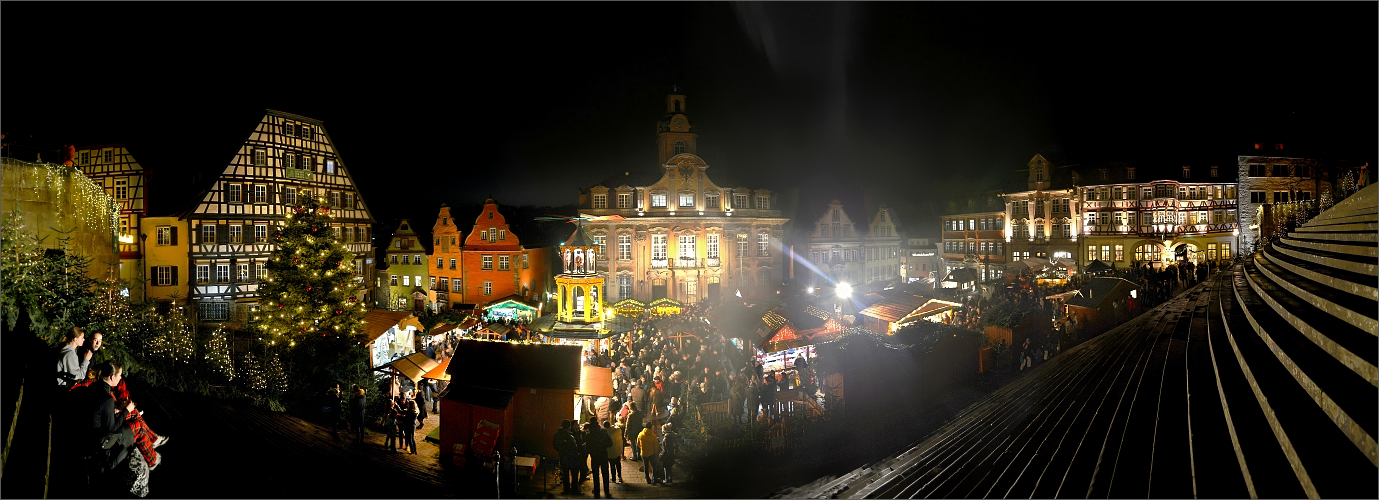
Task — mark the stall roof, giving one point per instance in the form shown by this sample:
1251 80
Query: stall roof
507 365
514 299
962 275
438 372
442 328
414 366
934 306
469 322
378 321
893 309
1098 290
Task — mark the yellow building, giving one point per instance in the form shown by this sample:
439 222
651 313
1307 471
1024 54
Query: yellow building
164 240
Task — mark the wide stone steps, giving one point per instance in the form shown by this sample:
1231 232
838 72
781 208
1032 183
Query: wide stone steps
1324 460
1347 236
1344 395
1367 267
1331 290
1355 348
1358 249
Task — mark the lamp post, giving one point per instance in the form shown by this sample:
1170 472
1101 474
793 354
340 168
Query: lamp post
143 269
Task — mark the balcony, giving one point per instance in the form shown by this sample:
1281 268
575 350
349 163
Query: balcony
660 263
686 262
711 262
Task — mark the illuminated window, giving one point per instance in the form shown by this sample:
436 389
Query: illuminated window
658 247
763 244
1120 252
1106 252
1091 252
330 166
407 280
658 200
686 200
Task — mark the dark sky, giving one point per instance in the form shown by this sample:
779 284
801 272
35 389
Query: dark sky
914 103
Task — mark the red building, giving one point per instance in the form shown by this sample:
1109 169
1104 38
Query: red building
490 264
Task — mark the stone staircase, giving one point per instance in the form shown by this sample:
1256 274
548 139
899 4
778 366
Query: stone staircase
1302 317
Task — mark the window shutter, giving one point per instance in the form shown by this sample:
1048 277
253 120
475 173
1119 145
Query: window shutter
174 275
222 234
173 232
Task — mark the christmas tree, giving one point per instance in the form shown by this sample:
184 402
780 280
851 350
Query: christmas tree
311 291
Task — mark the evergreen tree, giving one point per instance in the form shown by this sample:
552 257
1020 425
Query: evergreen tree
311 289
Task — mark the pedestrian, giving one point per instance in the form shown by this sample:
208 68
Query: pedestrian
390 424
357 413
434 388
564 444
597 442
615 450
332 407
670 448
407 424
634 428
649 443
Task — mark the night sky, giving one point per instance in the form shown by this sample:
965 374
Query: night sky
914 104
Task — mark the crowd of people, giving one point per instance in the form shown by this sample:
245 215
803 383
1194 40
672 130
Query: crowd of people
110 442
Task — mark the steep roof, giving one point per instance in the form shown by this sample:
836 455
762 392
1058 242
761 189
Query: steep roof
579 238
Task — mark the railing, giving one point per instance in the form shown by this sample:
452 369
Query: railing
660 263
711 262
684 262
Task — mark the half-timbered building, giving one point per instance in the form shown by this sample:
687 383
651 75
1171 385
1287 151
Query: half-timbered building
113 168
286 157
675 233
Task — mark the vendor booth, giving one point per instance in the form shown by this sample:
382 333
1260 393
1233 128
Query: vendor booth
664 307
511 308
629 307
503 395
391 335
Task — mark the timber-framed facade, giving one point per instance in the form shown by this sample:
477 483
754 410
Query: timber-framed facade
114 169
285 158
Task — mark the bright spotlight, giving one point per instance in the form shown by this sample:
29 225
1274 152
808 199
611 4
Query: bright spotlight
809 291
844 290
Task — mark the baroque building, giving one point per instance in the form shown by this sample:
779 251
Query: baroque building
114 169
672 232
1043 220
975 240
284 158
1155 215
836 249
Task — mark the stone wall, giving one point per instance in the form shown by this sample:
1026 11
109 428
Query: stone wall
58 202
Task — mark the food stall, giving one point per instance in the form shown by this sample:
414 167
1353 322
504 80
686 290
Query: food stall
510 308
391 335
629 308
664 307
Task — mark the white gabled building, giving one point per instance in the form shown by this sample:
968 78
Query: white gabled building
284 158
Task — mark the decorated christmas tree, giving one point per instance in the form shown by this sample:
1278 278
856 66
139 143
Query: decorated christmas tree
311 291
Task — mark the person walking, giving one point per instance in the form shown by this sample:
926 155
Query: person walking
407 424
597 442
634 428
564 444
649 443
615 450
670 450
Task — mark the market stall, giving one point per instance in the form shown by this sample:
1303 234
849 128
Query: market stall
510 308
664 307
629 307
391 335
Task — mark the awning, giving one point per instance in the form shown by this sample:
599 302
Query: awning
438 372
414 366
595 381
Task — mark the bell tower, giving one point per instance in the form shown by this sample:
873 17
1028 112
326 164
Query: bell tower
674 135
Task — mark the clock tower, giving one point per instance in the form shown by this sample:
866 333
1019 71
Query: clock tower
673 132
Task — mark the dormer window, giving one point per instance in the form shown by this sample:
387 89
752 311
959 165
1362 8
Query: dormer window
1039 174
624 200
658 200
600 201
687 200
1104 174
1187 172
1130 173
1213 171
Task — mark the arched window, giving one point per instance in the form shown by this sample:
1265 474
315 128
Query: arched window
679 145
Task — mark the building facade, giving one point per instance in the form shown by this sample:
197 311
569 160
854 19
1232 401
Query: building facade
494 264
921 261
285 158
881 249
165 248
405 280
114 169
675 233
1043 219
977 241
1137 216
1268 175
836 249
